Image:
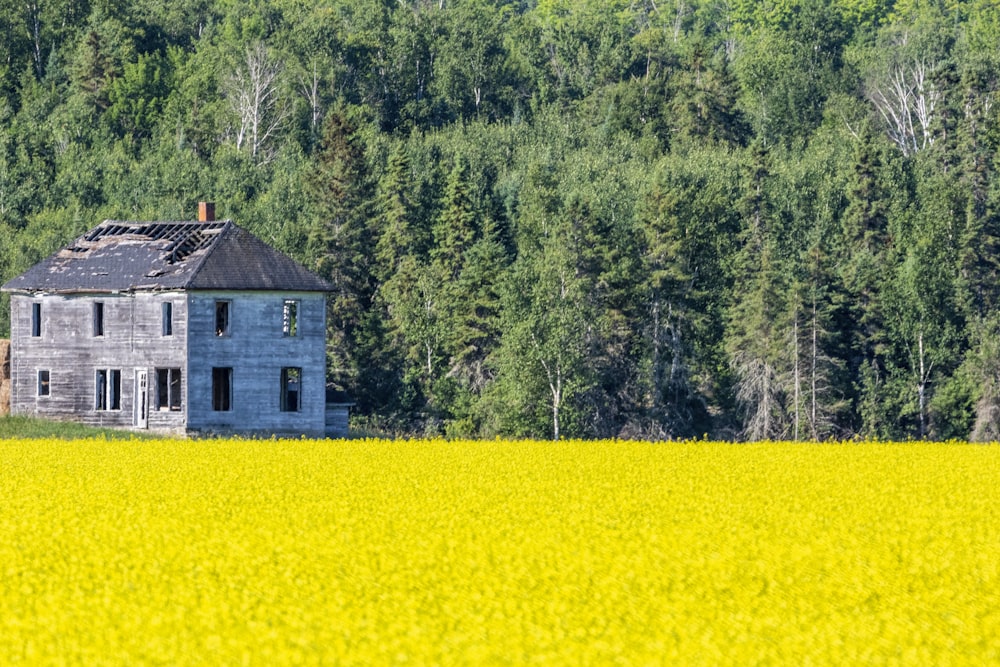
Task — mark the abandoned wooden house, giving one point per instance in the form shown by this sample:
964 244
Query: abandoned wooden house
177 327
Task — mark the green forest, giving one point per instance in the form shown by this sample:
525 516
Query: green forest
560 218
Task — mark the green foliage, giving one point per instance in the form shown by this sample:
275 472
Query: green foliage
20 426
596 217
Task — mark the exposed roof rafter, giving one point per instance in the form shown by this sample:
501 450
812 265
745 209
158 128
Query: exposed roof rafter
126 256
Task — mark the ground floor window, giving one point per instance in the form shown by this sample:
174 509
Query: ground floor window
43 383
168 389
108 389
291 387
222 389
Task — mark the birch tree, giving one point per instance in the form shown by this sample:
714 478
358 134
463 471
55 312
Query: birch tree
541 359
254 94
924 322
907 100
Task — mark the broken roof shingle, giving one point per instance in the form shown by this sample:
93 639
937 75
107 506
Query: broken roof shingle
128 256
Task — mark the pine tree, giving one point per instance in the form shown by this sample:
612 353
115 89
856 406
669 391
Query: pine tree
454 231
864 241
982 367
477 328
673 253
339 244
407 293
758 323
980 240
394 221
758 332
93 70
466 259
817 404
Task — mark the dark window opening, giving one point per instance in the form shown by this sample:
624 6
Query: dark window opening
36 320
98 319
101 393
115 388
168 318
168 389
43 383
291 387
290 318
222 389
222 318
108 390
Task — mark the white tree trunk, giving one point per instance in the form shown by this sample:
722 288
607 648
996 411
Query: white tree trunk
814 357
907 95
796 380
254 95
310 91
924 377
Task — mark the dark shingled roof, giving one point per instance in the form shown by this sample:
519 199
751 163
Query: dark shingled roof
129 256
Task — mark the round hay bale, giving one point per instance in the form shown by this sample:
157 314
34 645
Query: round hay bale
4 359
5 397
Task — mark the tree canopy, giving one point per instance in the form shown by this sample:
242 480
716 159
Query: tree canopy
566 218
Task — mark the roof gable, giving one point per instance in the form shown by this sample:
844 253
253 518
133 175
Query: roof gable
129 256
242 261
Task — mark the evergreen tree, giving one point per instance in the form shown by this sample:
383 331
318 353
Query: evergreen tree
981 367
686 218
339 243
394 220
477 332
980 239
454 231
817 401
407 293
465 261
865 243
758 325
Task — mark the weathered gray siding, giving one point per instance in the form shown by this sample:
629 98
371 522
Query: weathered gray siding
337 420
133 339
68 349
256 349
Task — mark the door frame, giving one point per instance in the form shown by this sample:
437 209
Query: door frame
140 415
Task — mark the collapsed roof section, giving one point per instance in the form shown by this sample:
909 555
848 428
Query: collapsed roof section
121 256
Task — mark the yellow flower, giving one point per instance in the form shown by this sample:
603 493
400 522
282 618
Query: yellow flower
372 552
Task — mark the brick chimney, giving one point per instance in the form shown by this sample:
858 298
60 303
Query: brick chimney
206 211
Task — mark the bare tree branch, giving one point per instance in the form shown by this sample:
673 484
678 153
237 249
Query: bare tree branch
253 93
907 94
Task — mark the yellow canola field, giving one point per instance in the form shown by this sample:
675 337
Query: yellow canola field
230 552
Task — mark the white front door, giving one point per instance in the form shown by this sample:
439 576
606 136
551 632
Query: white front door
141 398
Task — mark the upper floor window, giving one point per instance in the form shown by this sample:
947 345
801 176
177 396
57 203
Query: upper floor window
290 318
98 318
36 319
167 313
222 315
